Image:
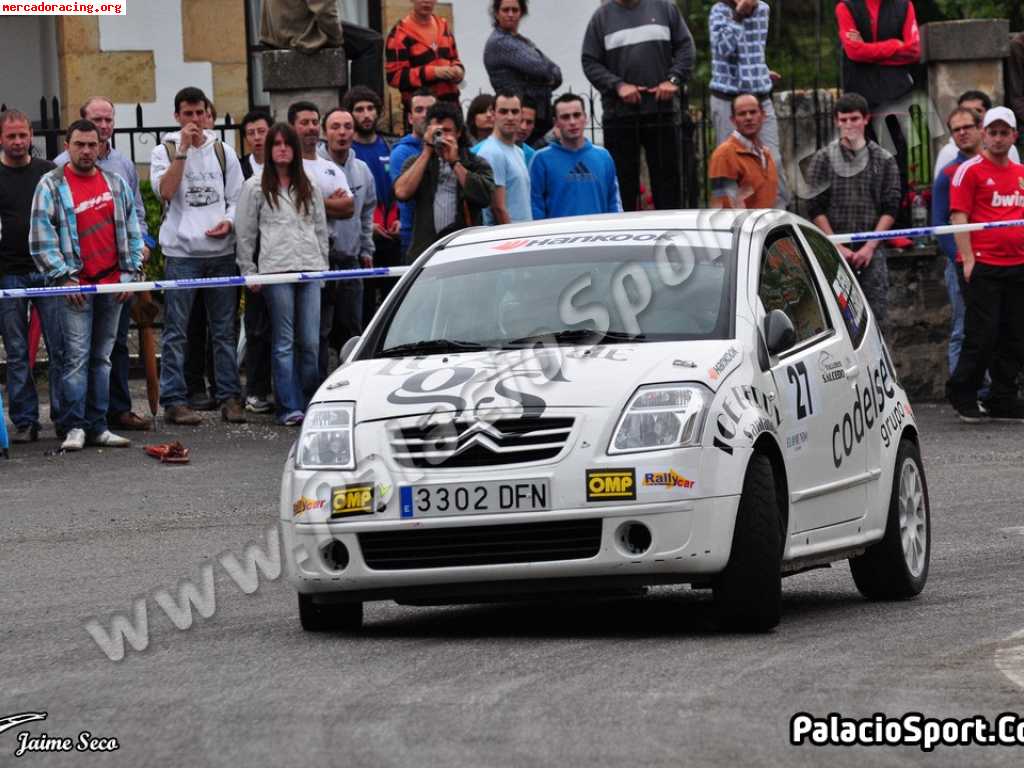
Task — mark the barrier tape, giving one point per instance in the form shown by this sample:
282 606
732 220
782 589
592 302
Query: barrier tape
947 229
206 282
361 274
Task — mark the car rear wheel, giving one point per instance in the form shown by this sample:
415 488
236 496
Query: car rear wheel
331 617
748 593
896 568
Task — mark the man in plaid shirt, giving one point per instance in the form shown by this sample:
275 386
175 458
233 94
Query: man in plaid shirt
856 187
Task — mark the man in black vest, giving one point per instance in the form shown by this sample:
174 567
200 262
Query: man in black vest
881 42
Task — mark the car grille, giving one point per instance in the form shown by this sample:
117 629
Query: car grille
481 443
481 545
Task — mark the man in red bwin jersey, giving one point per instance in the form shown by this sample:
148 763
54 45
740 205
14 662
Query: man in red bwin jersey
989 188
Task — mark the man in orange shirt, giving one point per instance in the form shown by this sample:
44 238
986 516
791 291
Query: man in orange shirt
742 169
419 52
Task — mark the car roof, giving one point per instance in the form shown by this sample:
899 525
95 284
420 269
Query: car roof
719 220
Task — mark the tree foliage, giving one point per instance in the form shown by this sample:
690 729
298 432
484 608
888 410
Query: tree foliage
803 43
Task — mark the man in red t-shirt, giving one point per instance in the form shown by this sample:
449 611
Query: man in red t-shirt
85 231
989 188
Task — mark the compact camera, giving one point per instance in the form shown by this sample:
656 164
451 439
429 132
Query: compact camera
437 140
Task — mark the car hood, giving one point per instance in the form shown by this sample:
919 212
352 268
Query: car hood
571 376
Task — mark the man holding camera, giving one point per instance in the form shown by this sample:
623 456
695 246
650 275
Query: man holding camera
450 186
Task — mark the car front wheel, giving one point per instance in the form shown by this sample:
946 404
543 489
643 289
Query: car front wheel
330 617
896 568
748 593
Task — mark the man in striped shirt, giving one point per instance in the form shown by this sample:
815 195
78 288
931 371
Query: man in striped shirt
420 51
739 37
639 55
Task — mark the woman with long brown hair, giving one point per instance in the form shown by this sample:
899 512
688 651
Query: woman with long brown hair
281 216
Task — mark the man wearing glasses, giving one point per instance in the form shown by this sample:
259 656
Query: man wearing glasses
965 127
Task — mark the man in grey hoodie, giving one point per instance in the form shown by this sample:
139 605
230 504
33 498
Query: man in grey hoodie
199 182
639 55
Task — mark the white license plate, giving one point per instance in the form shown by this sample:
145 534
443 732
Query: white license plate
475 498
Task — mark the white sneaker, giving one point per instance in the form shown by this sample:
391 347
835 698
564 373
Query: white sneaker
75 441
255 404
108 439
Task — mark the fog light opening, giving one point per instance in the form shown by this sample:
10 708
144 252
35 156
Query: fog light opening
335 556
634 538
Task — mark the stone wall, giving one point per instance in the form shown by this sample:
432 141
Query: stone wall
85 70
919 321
125 70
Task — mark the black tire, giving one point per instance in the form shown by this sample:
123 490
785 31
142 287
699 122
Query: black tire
883 571
331 617
748 593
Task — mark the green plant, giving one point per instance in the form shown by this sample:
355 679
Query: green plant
154 269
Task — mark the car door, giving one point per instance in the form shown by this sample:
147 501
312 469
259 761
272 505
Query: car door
825 488
871 376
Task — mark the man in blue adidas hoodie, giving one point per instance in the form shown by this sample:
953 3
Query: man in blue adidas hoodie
572 177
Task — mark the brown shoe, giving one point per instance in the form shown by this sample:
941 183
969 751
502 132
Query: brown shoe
182 414
233 412
132 422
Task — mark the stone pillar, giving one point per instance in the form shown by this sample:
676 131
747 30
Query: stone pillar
963 56
290 76
805 124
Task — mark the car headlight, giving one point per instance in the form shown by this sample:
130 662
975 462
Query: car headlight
327 440
661 416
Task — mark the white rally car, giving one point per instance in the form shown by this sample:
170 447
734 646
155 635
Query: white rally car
616 401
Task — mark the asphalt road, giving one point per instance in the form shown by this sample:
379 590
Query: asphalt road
642 681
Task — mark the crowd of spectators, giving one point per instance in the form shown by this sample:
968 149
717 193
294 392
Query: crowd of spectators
325 189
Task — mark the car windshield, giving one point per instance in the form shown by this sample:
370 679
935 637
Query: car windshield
638 287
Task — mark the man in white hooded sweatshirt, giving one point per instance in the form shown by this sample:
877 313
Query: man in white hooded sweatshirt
199 182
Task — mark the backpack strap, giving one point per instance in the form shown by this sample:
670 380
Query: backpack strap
218 150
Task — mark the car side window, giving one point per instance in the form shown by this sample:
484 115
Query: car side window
787 283
842 283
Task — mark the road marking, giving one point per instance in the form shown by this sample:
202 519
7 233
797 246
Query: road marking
1019 530
1010 660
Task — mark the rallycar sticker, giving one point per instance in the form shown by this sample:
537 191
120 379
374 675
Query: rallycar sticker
305 504
611 484
667 479
356 499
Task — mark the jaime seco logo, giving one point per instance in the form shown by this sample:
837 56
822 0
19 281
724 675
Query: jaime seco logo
44 742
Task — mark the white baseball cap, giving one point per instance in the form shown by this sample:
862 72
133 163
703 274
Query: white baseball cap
1000 115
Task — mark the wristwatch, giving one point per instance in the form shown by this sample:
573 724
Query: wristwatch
674 79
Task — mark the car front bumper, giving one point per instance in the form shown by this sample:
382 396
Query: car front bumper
689 541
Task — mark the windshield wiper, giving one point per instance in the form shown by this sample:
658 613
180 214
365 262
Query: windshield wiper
577 336
431 346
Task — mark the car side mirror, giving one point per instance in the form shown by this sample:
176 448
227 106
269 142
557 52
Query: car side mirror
349 345
779 332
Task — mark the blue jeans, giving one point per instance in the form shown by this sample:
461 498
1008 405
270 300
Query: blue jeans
89 334
956 303
21 389
120 395
221 309
295 337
